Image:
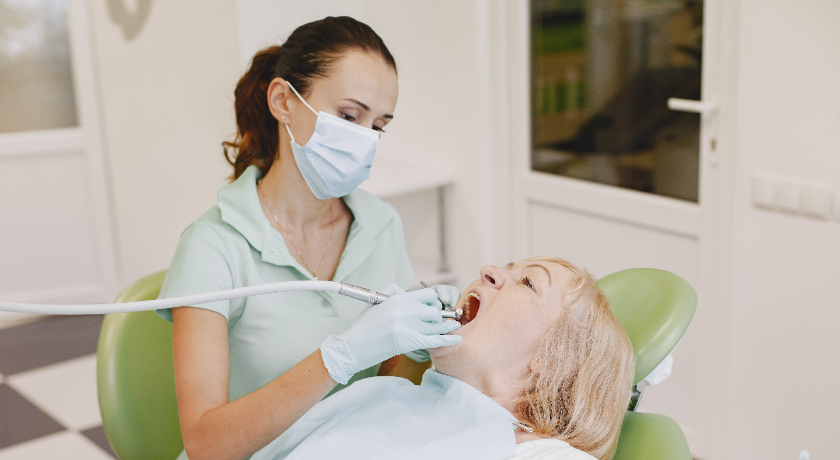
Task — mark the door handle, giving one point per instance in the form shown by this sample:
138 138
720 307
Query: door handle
687 105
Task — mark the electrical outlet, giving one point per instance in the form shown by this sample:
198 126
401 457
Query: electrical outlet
788 198
792 195
764 192
816 202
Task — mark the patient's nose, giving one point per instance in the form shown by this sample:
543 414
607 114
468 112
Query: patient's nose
493 276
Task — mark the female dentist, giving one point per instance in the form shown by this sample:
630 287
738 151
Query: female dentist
309 115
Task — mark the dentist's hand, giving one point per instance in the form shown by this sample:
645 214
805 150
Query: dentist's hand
448 295
405 322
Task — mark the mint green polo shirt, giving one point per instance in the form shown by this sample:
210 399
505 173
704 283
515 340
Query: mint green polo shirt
233 245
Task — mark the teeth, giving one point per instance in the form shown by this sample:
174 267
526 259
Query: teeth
467 311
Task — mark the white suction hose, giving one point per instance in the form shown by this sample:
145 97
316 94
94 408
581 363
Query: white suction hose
365 295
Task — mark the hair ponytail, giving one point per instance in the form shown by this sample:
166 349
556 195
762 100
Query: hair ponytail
308 53
256 136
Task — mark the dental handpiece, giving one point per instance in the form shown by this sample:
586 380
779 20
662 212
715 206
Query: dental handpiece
374 297
354 292
448 311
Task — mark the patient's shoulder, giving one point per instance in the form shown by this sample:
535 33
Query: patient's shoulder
548 449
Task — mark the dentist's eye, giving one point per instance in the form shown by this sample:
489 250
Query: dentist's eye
527 282
347 117
377 128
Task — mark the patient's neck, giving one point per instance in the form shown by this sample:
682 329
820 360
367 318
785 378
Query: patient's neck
501 379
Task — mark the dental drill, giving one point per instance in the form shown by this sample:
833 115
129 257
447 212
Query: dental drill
448 310
355 292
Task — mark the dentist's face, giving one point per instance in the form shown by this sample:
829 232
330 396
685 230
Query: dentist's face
510 309
360 88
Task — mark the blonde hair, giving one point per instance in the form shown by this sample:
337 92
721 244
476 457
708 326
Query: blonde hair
580 385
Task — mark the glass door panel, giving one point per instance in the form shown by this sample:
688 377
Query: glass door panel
36 82
602 73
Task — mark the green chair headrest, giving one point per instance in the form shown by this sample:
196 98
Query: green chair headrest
655 308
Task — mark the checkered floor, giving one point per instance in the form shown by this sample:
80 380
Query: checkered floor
48 403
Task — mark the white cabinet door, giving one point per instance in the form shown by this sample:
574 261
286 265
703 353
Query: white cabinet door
605 175
56 241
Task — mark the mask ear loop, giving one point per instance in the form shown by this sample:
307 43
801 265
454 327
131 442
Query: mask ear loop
304 103
301 98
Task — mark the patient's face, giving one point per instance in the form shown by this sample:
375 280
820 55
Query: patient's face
509 310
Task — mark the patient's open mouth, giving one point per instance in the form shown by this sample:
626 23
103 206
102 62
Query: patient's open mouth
471 305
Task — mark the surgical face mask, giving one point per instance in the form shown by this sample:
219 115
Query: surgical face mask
338 156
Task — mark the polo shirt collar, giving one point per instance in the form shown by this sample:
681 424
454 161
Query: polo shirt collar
240 208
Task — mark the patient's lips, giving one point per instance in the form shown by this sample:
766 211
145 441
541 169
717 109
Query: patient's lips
471 305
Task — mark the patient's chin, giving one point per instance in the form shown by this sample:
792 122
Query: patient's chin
442 351
445 351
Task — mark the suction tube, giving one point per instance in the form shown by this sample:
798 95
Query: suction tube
354 292
98 309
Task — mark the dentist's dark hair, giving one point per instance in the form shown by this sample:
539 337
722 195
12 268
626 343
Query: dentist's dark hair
307 54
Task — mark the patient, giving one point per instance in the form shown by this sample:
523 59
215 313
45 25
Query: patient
541 349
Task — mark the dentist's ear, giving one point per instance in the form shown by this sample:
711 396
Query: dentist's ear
278 95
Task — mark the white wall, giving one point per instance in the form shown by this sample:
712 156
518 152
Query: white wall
785 310
436 119
166 100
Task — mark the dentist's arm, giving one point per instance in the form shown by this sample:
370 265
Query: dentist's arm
214 428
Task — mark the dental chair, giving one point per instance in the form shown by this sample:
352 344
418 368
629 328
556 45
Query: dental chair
136 379
655 308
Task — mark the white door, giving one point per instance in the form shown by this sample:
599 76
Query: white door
605 175
56 242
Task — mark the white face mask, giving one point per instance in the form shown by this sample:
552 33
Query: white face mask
338 156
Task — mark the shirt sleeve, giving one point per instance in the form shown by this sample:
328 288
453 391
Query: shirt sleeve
201 264
404 275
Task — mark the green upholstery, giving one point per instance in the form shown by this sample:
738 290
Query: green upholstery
651 437
654 307
136 379
135 371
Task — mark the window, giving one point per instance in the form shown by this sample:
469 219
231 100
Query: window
602 72
36 82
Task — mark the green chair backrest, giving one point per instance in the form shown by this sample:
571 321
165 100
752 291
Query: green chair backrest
136 379
654 307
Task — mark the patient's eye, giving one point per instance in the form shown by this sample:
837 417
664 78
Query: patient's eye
527 282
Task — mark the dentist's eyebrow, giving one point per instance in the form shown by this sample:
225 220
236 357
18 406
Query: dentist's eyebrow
365 107
509 265
546 271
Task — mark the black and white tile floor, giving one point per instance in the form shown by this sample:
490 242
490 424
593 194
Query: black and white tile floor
48 402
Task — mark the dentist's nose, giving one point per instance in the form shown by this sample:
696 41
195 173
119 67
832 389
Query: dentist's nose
492 275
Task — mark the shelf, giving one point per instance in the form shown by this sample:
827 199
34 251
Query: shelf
390 178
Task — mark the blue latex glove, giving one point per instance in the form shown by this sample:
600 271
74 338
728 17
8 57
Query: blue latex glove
448 295
405 322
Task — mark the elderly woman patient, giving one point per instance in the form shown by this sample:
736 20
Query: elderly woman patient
540 350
